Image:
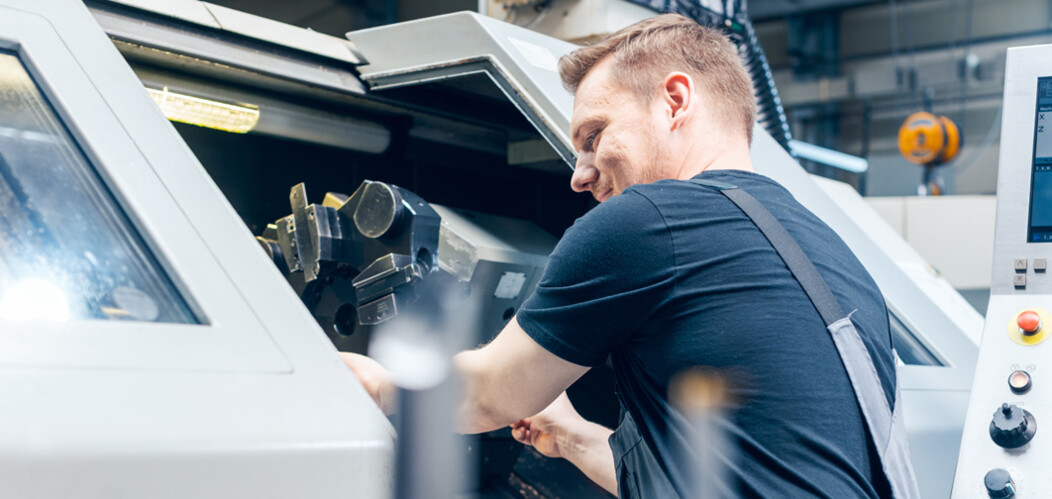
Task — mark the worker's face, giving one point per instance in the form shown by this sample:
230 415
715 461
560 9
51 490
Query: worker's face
617 137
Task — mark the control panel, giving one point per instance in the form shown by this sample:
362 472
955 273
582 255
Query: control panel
1007 440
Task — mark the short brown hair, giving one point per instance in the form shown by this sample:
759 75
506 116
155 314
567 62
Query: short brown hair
645 52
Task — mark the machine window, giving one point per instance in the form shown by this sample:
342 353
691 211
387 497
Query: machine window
1040 230
911 351
67 250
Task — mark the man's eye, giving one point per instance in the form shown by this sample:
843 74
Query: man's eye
590 141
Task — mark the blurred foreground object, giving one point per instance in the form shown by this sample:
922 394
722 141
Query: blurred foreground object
701 396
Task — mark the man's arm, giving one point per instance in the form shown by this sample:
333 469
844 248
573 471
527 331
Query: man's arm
560 432
509 379
506 380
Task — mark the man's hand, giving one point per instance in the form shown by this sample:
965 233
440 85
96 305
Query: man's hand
375 379
551 430
560 432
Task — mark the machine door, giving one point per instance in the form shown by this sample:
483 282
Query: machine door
491 60
116 249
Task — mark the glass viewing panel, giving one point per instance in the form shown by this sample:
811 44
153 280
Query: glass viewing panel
67 250
1040 230
911 351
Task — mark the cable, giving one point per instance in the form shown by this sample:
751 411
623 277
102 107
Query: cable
951 46
770 113
988 140
893 22
542 10
968 12
914 80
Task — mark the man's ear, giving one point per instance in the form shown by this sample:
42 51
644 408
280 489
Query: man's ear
679 96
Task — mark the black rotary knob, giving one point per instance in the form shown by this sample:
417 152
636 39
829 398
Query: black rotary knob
999 483
1012 426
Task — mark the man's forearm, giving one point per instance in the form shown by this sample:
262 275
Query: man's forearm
510 378
586 447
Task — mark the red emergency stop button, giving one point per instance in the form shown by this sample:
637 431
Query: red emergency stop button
1026 327
1029 322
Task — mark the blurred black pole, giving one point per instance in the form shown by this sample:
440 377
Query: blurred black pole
418 348
428 461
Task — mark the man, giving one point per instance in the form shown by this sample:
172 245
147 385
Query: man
667 274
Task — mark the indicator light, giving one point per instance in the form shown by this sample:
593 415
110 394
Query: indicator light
1019 382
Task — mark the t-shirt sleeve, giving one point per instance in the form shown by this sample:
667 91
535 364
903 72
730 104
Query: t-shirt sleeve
607 276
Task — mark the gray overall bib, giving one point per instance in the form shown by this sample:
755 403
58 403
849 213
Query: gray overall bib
641 474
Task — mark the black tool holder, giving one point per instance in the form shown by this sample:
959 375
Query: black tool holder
355 260
363 260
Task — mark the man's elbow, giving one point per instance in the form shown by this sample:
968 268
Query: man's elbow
483 418
481 409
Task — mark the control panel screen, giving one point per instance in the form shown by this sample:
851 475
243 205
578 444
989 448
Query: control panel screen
1040 230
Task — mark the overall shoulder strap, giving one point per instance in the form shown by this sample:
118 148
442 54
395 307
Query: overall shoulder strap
798 263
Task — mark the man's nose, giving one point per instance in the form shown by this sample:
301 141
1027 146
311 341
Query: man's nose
584 175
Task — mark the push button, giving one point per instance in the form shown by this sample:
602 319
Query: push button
1019 264
1027 328
1019 382
1029 322
1040 264
1019 280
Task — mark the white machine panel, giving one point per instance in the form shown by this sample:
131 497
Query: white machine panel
1005 450
166 357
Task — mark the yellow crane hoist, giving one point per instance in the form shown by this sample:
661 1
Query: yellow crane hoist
929 141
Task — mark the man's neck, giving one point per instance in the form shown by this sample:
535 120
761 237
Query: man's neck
730 158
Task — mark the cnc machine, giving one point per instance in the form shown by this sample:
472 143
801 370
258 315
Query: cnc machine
223 374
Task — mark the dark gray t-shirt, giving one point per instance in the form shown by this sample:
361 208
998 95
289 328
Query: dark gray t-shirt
672 275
